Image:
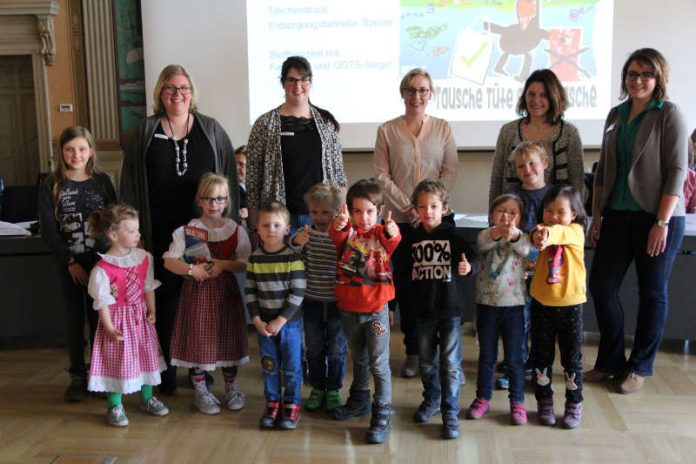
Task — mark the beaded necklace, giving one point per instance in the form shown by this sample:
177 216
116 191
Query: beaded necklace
180 161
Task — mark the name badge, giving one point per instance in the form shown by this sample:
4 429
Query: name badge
287 134
161 136
610 128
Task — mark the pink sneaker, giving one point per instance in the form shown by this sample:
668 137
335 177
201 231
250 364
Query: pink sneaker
478 408
518 413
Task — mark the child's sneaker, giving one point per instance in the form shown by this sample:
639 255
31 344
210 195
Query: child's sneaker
77 389
357 405
207 403
270 415
154 407
545 410
290 417
380 424
478 408
333 400
235 398
315 400
572 415
502 383
425 411
450 426
117 416
518 413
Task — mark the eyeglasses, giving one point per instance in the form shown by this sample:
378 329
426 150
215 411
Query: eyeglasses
293 80
172 89
422 91
216 200
644 76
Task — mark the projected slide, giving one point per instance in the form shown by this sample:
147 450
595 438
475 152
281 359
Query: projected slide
479 52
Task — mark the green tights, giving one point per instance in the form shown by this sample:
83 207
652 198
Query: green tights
114 399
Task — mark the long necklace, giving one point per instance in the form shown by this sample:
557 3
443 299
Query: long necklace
180 162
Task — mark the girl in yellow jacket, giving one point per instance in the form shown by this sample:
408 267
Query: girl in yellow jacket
558 292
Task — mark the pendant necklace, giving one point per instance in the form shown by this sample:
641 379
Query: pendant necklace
180 161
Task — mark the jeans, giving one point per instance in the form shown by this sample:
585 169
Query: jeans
368 339
282 352
623 239
441 377
508 323
326 344
78 309
548 322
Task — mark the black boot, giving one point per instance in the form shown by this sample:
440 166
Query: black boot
380 424
357 405
77 389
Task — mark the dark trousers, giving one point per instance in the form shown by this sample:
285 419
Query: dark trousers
78 310
564 322
623 239
167 302
402 287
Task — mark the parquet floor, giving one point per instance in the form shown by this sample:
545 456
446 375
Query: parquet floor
656 425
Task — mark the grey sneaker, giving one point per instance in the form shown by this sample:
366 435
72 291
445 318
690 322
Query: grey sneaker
207 403
425 412
235 399
117 416
154 407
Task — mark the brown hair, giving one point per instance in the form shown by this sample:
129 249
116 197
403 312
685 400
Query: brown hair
499 200
275 207
430 186
167 73
556 94
101 222
368 189
241 150
60 175
659 65
324 193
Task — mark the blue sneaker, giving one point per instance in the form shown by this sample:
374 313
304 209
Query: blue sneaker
502 383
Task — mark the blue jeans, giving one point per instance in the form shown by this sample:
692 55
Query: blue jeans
623 238
508 323
441 377
368 339
326 344
282 352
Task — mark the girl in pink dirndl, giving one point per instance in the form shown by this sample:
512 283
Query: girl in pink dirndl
210 328
126 357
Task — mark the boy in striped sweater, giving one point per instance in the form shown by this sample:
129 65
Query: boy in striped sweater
275 286
324 337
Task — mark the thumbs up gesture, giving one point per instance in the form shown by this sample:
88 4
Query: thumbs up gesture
342 218
302 236
540 236
464 267
508 231
390 226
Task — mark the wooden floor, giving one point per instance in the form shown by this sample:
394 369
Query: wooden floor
656 425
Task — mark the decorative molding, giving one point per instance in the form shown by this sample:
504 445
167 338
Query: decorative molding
47 35
44 11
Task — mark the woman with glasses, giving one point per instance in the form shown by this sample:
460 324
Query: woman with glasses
291 148
410 148
637 216
165 159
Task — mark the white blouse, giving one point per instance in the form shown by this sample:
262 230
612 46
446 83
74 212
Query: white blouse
99 287
217 234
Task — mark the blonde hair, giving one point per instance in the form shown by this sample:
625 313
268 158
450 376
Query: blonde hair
209 182
529 149
101 222
411 75
167 73
324 193
275 207
60 174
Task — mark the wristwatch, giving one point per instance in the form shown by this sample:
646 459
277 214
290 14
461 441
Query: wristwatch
662 222
190 270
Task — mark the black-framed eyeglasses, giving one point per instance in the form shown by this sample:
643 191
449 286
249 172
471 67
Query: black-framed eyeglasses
172 89
422 91
644 76
216 200
293 80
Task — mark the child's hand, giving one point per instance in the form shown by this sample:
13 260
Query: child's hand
114 335
261 326
540 237
215 268
464 267
275 325
342 218
390 226
243 213
302 236
78 274
150 316
199 272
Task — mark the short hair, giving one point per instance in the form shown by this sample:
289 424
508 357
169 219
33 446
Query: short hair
300 63
659 65
529 149
241 150
574 198
167 73
411 75
324 193
101 222
500 199
368 189
430 186
209 181
275 207
556 94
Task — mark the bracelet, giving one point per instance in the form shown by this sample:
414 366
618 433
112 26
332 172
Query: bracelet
190 269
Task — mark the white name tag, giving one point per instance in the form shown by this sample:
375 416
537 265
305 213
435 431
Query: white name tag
287 134
161 136
610 128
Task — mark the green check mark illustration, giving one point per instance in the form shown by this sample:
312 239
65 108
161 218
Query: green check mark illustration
469 61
